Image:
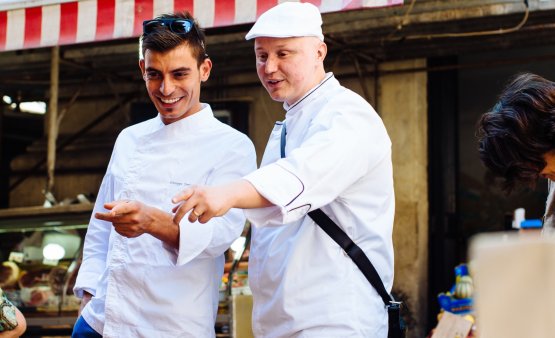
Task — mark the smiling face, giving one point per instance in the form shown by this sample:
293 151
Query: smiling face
173 81
289 67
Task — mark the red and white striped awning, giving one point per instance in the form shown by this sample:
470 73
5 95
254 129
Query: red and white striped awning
42 23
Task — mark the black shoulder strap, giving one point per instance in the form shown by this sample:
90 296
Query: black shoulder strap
344 241
353 250
282 139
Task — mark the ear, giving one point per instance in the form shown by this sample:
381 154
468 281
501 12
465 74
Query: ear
322 51
142 66
205 68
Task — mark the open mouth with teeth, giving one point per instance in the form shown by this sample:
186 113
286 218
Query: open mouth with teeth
169 101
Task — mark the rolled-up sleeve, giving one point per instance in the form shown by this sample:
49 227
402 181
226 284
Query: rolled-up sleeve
282 188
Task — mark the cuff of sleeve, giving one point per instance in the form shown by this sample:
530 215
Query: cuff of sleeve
261 217
83 283
276 184
275 216
193 240
79 292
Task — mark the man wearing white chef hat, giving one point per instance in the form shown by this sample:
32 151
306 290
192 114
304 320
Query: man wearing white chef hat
331 152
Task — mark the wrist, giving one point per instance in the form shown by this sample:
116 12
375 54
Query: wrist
234 195
159 219
163 228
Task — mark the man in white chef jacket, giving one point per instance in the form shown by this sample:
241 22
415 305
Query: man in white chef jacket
337 157
142 275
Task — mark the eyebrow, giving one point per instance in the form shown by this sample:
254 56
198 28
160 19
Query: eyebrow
180 69
278 48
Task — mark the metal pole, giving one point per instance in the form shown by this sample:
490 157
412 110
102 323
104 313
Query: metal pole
4 167
376 87
52 117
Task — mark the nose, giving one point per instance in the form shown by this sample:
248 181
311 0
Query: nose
271 65
546 174
167 87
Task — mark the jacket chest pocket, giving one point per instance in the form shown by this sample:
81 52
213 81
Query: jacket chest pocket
179 181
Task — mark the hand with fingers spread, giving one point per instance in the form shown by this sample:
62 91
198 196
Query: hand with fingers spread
133 218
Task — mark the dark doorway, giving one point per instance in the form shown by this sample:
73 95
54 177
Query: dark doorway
17 131
446 242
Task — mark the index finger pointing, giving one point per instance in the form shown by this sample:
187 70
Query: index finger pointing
121 208
104 216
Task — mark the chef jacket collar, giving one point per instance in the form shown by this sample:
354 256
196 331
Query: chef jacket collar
308 96
192 122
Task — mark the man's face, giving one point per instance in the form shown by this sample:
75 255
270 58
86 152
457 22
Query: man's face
549 169
289 67
173 81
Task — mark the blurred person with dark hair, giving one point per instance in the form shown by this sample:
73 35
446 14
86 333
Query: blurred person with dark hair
142 274
517 137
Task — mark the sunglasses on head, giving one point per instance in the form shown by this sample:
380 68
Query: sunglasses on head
178 26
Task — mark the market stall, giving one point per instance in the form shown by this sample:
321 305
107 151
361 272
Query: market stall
40 251
39 284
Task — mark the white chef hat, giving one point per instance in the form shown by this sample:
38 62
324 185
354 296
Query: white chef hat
288 19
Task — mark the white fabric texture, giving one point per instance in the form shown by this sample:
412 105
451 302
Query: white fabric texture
549 215
142 287
338 158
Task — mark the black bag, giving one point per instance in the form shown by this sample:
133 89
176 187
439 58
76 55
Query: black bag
396 324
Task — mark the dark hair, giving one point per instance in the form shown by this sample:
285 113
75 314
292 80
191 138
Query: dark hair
519 130
163 39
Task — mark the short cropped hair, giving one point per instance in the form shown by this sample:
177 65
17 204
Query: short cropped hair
163 39
519 130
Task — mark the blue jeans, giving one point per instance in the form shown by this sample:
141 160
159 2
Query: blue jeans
83 330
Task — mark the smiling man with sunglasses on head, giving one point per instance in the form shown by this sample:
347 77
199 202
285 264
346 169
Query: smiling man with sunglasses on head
143 275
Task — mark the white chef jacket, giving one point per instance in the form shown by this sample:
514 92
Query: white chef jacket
338 158
141 286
